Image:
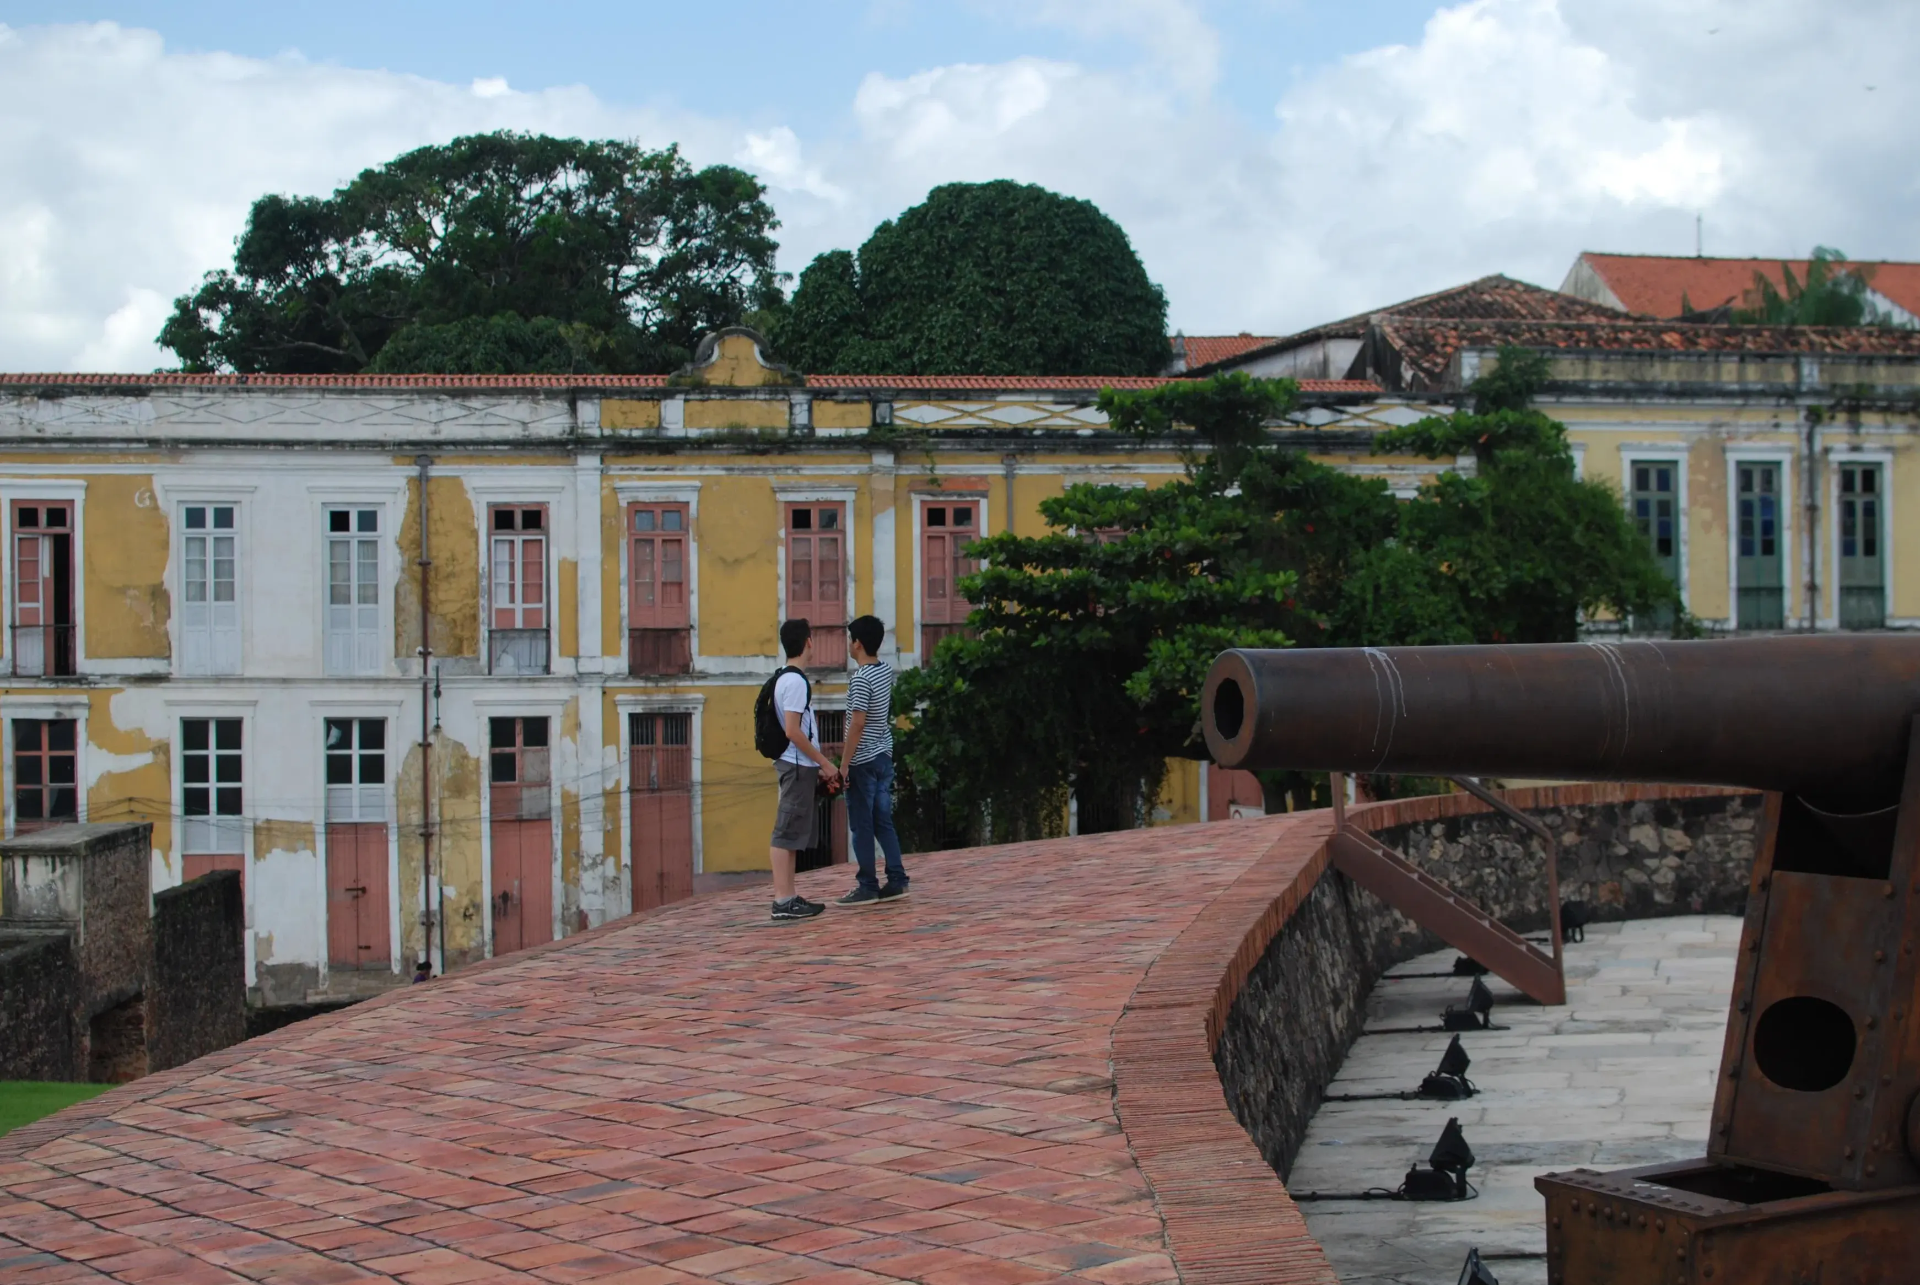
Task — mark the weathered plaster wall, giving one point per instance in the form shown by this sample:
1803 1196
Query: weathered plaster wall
853 415
736 362
739 527
129 770
566 608
454 582
739 791
1304 1002
458 851
768 414
613 590
123 575
628 413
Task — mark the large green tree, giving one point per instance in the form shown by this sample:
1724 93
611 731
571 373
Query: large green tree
1090 643
994 278
495 253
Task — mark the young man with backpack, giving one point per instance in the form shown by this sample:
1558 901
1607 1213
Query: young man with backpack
783 730
870 767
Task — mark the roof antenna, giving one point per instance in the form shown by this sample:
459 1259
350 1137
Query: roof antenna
1699 237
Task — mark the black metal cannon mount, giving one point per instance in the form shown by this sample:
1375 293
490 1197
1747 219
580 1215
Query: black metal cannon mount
1812 1170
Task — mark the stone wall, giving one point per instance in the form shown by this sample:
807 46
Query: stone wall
92 881
1686 854
38 999
1629 851
197 991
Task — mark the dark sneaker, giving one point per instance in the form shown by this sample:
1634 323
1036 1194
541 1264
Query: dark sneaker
860 898
892 892
795 907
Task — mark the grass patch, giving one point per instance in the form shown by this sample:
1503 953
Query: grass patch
24 1101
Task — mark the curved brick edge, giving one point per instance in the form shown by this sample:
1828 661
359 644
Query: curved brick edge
1229 1220
18 1142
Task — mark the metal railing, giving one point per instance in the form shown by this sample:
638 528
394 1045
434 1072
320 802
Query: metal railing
517 651
658 653
43 651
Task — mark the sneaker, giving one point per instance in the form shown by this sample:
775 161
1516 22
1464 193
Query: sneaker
795 907
893 892
859 898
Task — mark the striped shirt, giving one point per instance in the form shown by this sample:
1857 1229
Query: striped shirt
872 690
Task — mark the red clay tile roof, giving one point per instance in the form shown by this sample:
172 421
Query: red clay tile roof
175 379
1428 345
514 383
1204 350
986 383
1493 298
1664 285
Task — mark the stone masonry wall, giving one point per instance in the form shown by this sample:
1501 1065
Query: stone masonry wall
197 991
1629 851
39 992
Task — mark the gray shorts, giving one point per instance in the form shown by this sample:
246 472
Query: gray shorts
793 823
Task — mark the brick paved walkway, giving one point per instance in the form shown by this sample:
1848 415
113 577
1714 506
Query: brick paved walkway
917 1092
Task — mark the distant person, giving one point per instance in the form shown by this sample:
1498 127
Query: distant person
870 767
784 712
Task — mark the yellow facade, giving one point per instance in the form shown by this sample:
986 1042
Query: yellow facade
536 614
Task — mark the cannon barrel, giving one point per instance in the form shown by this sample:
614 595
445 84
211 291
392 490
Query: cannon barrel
1826 718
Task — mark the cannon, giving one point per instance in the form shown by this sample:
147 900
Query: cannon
1812 1166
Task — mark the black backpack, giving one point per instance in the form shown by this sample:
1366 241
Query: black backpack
769 729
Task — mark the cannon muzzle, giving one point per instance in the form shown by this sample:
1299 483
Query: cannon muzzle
1826 718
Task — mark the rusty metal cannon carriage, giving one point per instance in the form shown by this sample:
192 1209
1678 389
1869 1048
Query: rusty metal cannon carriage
1812 1165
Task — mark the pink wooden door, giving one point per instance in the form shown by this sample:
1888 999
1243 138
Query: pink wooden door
520 832
357 906
816 578
522 884
661 802
946 529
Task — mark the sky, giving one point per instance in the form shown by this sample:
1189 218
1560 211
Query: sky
1276 163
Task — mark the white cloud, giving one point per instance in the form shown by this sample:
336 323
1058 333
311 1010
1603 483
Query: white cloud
1511 135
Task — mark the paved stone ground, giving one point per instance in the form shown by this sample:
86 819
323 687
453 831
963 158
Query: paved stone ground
915 1092
1623 1075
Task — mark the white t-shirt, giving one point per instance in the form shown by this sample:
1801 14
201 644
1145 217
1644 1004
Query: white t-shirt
790 693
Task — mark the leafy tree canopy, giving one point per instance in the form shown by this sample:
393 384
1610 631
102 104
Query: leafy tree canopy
1834 294
1090 644
495 253
994 278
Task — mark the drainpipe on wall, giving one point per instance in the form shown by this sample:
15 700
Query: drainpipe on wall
429 916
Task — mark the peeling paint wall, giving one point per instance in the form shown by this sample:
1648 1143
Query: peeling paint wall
454 583
562 450
623 413
124 547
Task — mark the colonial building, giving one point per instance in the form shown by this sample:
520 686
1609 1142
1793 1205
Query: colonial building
446 666
1767 465
450 666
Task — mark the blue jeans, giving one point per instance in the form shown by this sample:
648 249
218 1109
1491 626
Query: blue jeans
870 813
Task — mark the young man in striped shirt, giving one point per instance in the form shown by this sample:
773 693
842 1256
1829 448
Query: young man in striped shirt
869 767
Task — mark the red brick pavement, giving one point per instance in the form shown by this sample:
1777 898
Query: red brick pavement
924 1092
